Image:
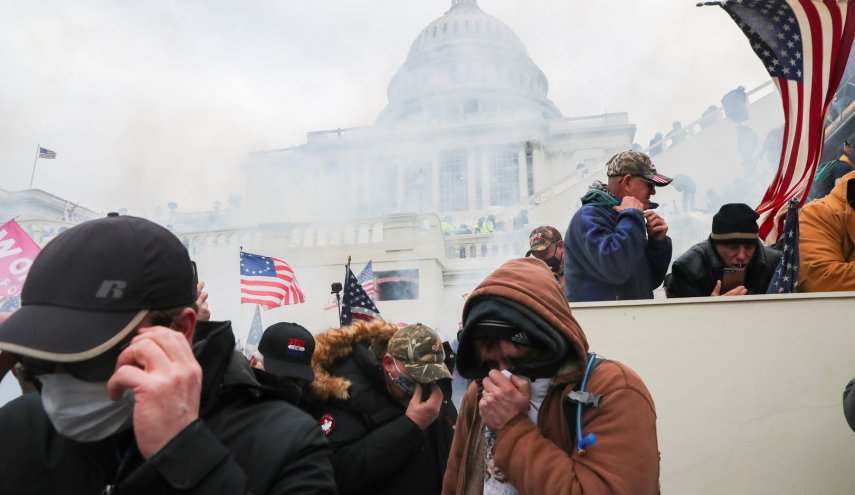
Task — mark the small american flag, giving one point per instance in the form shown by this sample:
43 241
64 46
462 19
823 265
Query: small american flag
786 276
804 45
365 278
256 329
267 281
355 303
46 153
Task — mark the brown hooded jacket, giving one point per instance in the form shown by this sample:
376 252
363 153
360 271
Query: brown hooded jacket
539 459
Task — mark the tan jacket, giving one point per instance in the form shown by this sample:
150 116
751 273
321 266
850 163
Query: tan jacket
538 459
827 242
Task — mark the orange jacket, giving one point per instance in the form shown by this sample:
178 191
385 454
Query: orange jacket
827 242
539 459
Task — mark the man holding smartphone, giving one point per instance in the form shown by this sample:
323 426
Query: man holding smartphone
731 262
382 396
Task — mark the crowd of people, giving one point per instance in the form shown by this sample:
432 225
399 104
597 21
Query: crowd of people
128 386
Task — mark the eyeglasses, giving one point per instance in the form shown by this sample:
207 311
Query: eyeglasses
649 182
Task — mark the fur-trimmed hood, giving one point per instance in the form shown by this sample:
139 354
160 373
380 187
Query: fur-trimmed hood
331 346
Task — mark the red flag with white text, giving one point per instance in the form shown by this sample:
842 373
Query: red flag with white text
17 252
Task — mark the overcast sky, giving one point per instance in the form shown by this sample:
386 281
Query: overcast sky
162 100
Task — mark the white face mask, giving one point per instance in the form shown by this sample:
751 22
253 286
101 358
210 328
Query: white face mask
82 410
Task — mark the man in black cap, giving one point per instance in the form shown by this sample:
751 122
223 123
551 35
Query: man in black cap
731 262
284 358
827 174
126 404
616 247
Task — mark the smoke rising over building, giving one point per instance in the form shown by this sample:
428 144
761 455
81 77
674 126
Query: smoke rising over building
468 126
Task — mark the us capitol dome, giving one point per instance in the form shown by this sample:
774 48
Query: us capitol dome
467 60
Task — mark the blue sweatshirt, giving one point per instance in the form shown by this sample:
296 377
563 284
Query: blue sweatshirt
607 255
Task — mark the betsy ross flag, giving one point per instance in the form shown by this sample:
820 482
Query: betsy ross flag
355 303
267 281
365 278
786 276
804 45
46 153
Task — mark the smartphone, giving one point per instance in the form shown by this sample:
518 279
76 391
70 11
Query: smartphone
732 278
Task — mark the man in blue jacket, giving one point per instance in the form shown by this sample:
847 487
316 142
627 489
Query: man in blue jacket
616 247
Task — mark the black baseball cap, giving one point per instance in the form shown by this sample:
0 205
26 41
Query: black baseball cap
92 285
287 349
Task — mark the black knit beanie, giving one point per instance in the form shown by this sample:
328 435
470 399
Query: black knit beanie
493 317
735 223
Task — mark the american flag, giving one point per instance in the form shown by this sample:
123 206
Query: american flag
255 331
355 303
46 153
804 45
365 278
267 281
786 277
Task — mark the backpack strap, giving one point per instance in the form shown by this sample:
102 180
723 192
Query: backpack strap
576 400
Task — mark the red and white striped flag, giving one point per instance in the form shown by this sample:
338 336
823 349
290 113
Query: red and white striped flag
268 281
804 45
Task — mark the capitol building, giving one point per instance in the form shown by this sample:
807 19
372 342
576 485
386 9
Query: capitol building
469 132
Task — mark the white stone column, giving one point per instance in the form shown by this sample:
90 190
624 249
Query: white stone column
434 182
399 190
471 177
484 164
522 167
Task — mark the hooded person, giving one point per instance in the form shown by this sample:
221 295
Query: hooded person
525 352
382 397
733 246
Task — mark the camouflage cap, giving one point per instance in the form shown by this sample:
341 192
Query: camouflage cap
541 238
635 163
420 349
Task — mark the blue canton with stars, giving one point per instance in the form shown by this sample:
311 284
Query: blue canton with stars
786 277
774 34
355 297
254 265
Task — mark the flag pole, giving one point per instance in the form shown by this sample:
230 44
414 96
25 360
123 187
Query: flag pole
337 298
35 160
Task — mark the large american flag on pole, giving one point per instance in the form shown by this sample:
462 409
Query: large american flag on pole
365 278
804 45
267 281
355 303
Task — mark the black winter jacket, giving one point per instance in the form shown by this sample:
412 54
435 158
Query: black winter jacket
377 449
695 272
245 441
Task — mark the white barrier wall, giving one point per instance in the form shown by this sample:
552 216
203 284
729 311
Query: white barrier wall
748 390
